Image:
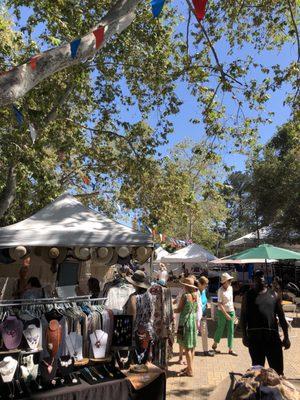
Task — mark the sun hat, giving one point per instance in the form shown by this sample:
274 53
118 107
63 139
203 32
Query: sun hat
104 255
141 254
123 251
82 253
226 277
138 279
12 331
18 253
189 282
49 254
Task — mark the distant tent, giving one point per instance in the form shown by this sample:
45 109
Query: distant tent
194 253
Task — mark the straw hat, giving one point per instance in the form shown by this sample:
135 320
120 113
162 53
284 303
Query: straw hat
104 255
82 253
17 253
226 277
138 279
123 251
49 254
189 282
141 254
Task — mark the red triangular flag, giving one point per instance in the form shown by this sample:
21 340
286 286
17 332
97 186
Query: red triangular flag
200 8
99 35
86 180
33 61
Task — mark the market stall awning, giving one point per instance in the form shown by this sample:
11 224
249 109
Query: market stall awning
67 222
160 252
194 253
261 254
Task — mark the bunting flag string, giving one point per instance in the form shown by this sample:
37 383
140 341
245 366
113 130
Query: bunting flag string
99 36
200 8
157 6
86 180
74 47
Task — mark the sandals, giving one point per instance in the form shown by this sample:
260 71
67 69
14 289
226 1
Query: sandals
215 350
232 353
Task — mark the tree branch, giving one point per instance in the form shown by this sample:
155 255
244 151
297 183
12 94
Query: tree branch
295 27
53 113
17 82
8 193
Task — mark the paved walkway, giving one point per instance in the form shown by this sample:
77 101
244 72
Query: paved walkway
210 371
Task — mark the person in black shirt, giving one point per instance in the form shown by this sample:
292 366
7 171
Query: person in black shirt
261 307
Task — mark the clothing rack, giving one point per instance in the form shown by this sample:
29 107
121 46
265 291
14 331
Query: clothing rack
52 300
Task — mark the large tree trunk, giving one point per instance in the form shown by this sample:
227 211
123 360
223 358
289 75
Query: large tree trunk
17 82
8 193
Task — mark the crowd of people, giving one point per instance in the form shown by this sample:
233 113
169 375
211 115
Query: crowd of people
261 315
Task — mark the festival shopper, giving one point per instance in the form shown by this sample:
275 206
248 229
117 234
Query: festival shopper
162 275
94 287
21 283
187 329
225 314
203 285
261 307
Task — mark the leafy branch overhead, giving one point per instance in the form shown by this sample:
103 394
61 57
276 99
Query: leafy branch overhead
101 117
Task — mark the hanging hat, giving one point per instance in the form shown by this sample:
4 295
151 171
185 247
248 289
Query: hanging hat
12 331
50 254
226 277
141 254
104 255
123 251
82 253
17 253
138 279
189 282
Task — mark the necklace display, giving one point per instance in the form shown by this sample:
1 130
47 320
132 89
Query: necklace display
74 345
8 368
53 337
122 332
32 335
98 341
29 369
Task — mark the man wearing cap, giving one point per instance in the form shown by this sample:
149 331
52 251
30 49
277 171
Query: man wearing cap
226 314
261 307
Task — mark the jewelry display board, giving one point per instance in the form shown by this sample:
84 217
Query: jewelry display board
122 332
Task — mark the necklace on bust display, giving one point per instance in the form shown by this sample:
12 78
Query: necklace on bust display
98 341
49 366
75 353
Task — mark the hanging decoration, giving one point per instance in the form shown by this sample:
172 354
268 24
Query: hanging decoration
99 36
33 61
74 47
18 115
86 180
157 6
200 8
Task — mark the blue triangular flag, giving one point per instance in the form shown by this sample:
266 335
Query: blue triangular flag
157 6
74 47
18 115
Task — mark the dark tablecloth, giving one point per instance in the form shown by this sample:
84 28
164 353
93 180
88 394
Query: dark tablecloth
113 390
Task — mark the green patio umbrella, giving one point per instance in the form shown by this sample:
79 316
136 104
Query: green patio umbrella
261 253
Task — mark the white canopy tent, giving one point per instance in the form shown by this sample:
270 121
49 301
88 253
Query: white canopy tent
67 222
194 253
160 252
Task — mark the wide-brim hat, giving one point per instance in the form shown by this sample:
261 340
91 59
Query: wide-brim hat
82 253
18 253
138 279
189 282
12 331
142 254
50 254
123 251
104 255
226 277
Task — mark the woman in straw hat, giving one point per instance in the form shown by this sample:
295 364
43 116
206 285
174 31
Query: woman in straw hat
225 314
187 328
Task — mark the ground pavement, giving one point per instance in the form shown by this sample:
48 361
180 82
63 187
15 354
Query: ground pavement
210 371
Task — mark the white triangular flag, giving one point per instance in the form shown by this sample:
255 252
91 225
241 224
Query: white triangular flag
32 133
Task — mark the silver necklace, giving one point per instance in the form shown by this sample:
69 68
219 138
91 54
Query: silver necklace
98 341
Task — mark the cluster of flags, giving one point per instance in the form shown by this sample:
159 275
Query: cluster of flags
172 242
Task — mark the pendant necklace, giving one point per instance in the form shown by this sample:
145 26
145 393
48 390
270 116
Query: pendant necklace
49 366
140 356
98 341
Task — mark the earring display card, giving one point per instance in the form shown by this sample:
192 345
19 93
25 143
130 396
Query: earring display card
122 332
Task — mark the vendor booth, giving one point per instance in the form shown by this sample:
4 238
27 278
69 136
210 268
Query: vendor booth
61 344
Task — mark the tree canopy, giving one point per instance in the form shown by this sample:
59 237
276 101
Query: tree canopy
100 119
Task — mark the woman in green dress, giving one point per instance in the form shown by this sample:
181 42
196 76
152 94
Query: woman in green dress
187 328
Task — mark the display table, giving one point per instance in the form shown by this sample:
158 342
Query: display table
121 389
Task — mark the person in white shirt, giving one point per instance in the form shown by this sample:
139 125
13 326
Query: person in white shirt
163 275
225 314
